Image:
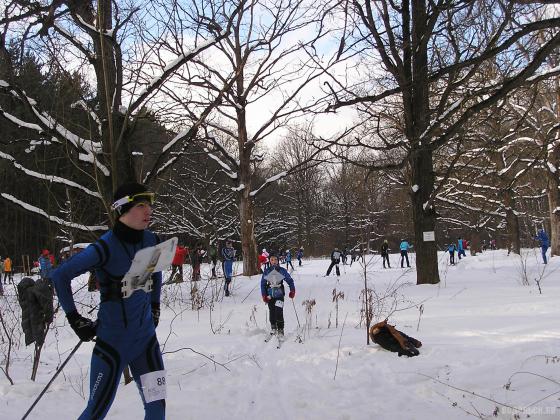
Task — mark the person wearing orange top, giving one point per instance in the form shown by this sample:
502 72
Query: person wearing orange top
8 273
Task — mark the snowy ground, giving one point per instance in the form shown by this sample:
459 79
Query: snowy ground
490 344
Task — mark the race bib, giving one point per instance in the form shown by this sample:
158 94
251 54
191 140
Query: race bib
153 386
279 303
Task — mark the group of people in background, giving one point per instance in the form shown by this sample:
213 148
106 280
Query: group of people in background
45 263
462 245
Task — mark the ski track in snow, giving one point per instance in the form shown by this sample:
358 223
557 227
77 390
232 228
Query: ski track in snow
479 326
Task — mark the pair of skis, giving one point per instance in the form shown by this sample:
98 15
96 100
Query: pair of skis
279 339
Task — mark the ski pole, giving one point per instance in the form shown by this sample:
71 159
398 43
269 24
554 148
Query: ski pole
52 379
299 325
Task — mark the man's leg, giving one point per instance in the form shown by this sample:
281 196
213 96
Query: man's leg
150 361
543 249
337 270
330 268
105 374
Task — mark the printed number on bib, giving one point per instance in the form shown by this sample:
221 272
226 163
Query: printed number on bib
153 386
279 303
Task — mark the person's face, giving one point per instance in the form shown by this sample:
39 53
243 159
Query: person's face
274 260
139 216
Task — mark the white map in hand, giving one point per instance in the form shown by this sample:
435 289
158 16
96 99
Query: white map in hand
146 262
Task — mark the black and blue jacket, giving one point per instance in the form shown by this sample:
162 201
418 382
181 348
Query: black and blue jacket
110 259
272 282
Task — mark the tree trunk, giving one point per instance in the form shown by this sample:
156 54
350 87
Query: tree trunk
475 243
554 211
424 218
248 242
415 86
512 223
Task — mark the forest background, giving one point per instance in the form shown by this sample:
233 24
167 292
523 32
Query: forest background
282 124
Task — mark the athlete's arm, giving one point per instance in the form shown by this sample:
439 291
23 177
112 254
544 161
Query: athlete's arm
62 276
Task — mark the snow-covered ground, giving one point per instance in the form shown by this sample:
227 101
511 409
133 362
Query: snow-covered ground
490 344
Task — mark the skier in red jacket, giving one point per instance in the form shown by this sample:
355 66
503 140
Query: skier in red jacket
178 260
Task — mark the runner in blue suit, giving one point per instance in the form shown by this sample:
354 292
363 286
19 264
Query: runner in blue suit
228 254
125 327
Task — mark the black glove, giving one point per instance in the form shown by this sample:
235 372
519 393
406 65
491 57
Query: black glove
155 313
84 328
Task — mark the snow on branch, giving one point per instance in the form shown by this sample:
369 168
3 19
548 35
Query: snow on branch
82 104
108 32
20 123
229 172
50 178
91 148
170 68
269 181
54 219
466 206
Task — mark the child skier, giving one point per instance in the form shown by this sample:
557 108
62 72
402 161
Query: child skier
272 291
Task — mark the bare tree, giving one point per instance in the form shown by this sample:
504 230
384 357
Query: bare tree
269 75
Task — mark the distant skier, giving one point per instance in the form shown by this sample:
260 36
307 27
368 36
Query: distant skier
197 255
299 256
385 253
177 263
228 254
451 250
8 272
353 254
404 247
273 293
542 237
265 254
360 255
125 329
288 259
461 248
335 260
213 255
45 264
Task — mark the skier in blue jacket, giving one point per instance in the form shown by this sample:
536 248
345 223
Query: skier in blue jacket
542 237
299 256
125 327
272 291
228 254
404 246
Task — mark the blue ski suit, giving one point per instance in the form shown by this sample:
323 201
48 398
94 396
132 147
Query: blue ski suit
272 291
229 256
125 332
542 237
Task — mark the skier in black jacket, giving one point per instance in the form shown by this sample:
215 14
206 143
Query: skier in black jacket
385 253
335 260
